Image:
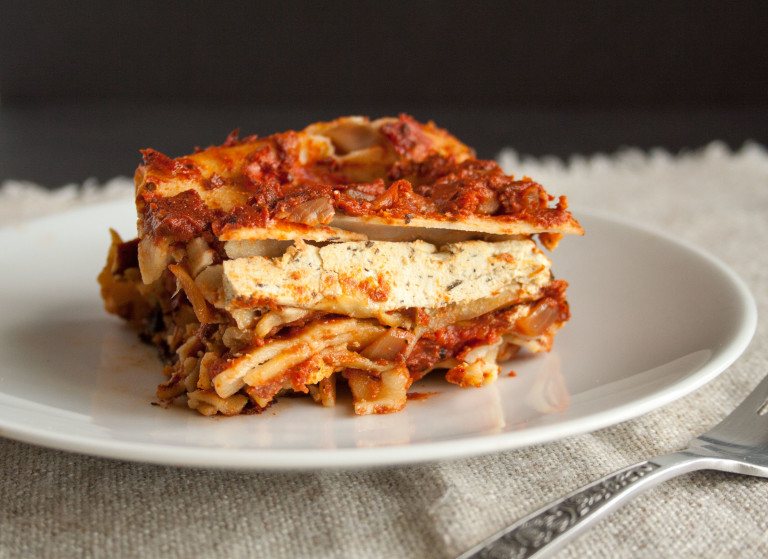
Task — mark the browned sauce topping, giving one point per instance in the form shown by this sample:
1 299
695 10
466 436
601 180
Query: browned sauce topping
183 217
407 138
271 180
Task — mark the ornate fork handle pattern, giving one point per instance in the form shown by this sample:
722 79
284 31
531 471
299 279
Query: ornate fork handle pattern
541 530
560 521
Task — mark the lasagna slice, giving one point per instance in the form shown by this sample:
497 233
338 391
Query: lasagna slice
356 252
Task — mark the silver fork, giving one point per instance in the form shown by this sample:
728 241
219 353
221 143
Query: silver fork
738 444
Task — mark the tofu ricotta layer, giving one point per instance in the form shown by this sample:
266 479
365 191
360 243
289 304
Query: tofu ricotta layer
354 254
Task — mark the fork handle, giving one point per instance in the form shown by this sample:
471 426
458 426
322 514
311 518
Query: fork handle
546 530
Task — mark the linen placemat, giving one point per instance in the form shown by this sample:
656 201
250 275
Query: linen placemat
60 504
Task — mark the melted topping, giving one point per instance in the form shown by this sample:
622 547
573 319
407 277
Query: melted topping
395 169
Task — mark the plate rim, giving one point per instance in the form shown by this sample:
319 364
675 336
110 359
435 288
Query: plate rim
272 459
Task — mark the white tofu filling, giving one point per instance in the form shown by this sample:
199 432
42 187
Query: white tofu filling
367 278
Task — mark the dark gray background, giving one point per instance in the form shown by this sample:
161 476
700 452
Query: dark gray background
84 86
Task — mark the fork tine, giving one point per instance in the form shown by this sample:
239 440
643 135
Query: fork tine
744 427
756 401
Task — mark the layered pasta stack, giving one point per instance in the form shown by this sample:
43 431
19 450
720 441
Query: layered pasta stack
354 252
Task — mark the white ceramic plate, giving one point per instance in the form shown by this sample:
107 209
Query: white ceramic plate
653 319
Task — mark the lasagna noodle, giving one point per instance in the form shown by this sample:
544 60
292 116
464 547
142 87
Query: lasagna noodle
366 252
